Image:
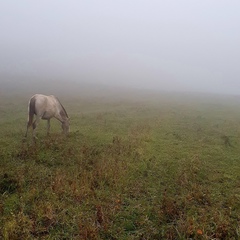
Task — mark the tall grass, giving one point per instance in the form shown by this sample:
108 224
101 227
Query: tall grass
155 168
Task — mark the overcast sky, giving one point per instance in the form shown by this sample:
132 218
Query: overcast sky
181 45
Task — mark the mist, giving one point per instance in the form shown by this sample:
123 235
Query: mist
185 46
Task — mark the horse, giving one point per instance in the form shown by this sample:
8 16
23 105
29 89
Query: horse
46 107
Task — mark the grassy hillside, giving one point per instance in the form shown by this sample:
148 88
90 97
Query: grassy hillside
151 166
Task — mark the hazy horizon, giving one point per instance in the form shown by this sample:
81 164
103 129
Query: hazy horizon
185 46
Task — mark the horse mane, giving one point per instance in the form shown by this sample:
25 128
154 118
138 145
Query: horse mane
63 109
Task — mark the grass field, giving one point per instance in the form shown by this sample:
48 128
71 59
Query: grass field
154 166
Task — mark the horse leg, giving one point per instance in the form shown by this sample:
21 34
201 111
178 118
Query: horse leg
48 126
28 125
35 124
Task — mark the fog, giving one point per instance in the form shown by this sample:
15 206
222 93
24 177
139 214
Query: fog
186 46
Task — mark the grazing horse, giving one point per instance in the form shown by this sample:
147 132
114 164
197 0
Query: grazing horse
46 107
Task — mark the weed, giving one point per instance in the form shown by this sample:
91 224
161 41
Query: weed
8 184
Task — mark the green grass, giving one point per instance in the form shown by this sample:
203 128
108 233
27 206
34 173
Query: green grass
153 167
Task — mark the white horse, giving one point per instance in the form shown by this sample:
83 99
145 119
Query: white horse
46 107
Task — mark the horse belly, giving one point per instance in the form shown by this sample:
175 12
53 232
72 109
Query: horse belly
47 115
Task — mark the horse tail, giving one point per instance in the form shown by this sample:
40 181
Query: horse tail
31 110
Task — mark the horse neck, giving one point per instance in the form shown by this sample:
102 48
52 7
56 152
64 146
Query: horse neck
62 112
